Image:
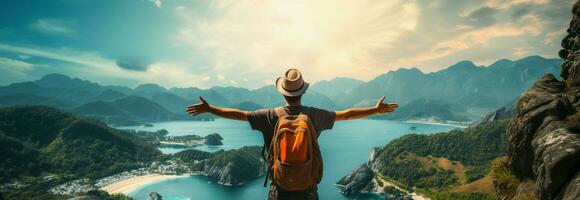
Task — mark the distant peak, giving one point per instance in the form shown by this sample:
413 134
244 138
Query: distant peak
464 63
55 76
150 87
412 69
533 57
461 66
501 63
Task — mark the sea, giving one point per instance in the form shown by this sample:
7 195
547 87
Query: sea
344 148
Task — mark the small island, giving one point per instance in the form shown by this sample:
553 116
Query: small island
160 138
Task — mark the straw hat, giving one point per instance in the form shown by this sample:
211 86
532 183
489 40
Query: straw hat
291 84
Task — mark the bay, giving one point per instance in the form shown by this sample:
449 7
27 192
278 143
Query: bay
344 147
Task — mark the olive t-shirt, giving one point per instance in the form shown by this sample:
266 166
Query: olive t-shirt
264 120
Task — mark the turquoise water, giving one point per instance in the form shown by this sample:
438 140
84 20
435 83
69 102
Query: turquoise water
343 148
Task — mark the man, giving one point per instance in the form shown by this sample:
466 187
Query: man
292 86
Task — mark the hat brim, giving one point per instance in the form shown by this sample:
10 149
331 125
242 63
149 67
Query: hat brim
284 92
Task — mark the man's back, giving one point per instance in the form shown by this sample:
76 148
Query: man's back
264 120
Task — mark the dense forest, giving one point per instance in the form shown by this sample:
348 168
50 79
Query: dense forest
39 141
435 164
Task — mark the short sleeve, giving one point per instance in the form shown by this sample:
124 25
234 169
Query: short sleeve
323 119
259 120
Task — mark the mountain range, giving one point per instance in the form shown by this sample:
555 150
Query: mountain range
464 90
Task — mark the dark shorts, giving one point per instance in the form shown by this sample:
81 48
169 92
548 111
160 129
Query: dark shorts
278 194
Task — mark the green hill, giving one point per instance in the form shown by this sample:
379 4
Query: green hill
37 140
443 163
447 165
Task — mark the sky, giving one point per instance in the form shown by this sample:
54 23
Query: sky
248 43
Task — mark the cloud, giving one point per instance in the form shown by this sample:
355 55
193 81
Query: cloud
54 26
520 51
468 40
221 77
551 37
481 17
323 38
12 70
258 41
506 4
14 65
100 68
134 64
156 2
522 11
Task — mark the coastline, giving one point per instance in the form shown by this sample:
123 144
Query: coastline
458 125
126 186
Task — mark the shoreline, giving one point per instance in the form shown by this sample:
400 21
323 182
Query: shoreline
126 186
458 125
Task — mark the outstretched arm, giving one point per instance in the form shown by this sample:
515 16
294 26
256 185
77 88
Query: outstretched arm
357 113
228 113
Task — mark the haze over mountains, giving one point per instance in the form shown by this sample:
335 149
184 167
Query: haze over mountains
464 90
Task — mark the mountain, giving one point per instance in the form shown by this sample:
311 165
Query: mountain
72 91
472 91
172 102
192 94
148 90
336 89
464 84
38 140
248 105
269 97
31 99
108 95
506 112
134 108
424 109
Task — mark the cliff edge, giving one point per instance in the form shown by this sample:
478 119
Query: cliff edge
544 136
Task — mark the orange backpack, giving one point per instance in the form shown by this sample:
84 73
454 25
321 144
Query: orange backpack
294 158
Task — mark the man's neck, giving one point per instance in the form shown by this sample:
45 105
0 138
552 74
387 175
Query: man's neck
297 103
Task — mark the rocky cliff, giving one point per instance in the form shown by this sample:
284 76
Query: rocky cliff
544 136
359 180
362 179
234 167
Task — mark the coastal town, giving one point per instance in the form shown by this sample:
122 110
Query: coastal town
171 168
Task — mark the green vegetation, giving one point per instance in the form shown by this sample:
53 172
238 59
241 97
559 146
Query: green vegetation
460 196
434 164
473 173
38 140
246 159
98 194
192 155
502 175
473 146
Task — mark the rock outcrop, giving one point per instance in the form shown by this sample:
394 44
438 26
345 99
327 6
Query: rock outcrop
213 139
544 136
360 180
155 196
234 167
506 112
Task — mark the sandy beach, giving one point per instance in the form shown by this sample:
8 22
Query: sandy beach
128 185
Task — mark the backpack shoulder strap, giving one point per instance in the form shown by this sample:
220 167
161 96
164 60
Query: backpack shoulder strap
280 112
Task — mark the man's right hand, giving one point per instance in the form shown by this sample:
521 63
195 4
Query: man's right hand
199 108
